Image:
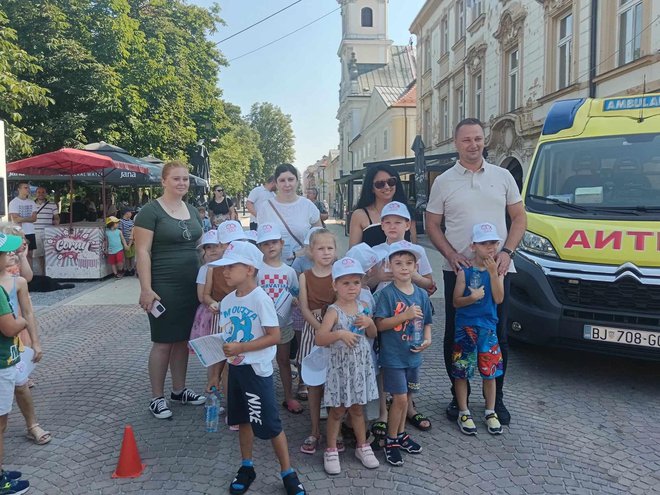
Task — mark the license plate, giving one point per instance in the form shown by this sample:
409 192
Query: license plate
620 336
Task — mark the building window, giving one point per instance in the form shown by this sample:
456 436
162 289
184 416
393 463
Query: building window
477 93
367 17
460 104
385 140
444 35
477 9
564 51
460 19
427 127
427 52
512 79
630 30
444 112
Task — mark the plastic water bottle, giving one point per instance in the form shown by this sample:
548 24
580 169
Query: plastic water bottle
212 410
354 328
417 336
475 282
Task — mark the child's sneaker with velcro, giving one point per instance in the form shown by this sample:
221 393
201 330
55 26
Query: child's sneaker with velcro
493 424
9 486
466 424
409 445
393 452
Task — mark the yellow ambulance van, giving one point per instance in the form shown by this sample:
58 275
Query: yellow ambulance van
588 267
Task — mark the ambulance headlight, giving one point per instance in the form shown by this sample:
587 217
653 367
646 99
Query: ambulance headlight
536 244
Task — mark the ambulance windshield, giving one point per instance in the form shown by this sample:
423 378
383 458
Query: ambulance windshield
603 175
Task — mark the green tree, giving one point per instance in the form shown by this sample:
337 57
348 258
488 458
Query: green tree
15 93
236 159
276 135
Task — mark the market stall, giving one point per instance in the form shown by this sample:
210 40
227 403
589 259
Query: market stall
74 250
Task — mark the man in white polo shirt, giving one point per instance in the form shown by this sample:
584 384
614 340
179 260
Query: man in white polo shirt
474 191
23 212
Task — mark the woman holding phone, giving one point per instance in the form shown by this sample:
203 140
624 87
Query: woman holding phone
166 234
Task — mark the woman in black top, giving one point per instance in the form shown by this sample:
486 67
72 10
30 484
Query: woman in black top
381 185
221 208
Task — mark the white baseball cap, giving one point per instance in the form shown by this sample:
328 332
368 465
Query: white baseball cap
240 252
309 234
367 256
268 232
230 231
395 208
315 366
251 235
346 266
483 232
401 246
210 237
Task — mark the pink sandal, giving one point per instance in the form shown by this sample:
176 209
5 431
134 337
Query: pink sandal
310 445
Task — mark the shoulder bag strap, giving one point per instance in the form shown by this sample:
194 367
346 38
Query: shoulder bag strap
44 205
285 224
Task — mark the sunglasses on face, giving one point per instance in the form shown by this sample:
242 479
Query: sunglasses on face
219 190
380 184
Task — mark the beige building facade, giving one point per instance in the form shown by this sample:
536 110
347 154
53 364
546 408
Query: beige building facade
377 103
506 61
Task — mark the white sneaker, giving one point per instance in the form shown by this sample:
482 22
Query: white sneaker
367 457
331 462
159 408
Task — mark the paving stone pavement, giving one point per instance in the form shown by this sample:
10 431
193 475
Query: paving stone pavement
581 424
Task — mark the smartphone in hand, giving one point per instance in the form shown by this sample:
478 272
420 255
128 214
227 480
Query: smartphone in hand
157 309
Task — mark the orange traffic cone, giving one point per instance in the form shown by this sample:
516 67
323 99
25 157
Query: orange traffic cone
129 465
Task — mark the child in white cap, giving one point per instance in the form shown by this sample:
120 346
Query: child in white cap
211 251
479 289
403 318
395 222
351 379
216 288
251 333
280 282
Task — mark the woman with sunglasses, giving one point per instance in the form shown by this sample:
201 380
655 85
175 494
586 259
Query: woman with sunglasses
221 208
381 185
166 233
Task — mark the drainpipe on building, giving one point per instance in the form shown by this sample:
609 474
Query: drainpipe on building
593 38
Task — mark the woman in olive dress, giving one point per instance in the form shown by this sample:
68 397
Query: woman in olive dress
166 233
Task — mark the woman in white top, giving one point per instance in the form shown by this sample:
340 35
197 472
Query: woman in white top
294 214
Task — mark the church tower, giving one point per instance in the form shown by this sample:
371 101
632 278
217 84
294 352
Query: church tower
364 31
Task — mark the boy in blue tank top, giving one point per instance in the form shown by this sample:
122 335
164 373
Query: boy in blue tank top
479 289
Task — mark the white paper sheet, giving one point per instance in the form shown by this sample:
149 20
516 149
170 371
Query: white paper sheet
208 349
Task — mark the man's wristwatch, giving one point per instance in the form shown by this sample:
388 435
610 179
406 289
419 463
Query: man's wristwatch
509 252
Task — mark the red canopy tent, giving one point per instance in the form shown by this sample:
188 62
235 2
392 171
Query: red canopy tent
70 161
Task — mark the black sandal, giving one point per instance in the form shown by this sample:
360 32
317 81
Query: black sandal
417 420
379 428
242 481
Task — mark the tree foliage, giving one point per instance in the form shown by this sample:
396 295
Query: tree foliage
276 135
140 74
17 93
237 162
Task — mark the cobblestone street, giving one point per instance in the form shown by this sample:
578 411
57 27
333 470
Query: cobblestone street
581 424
